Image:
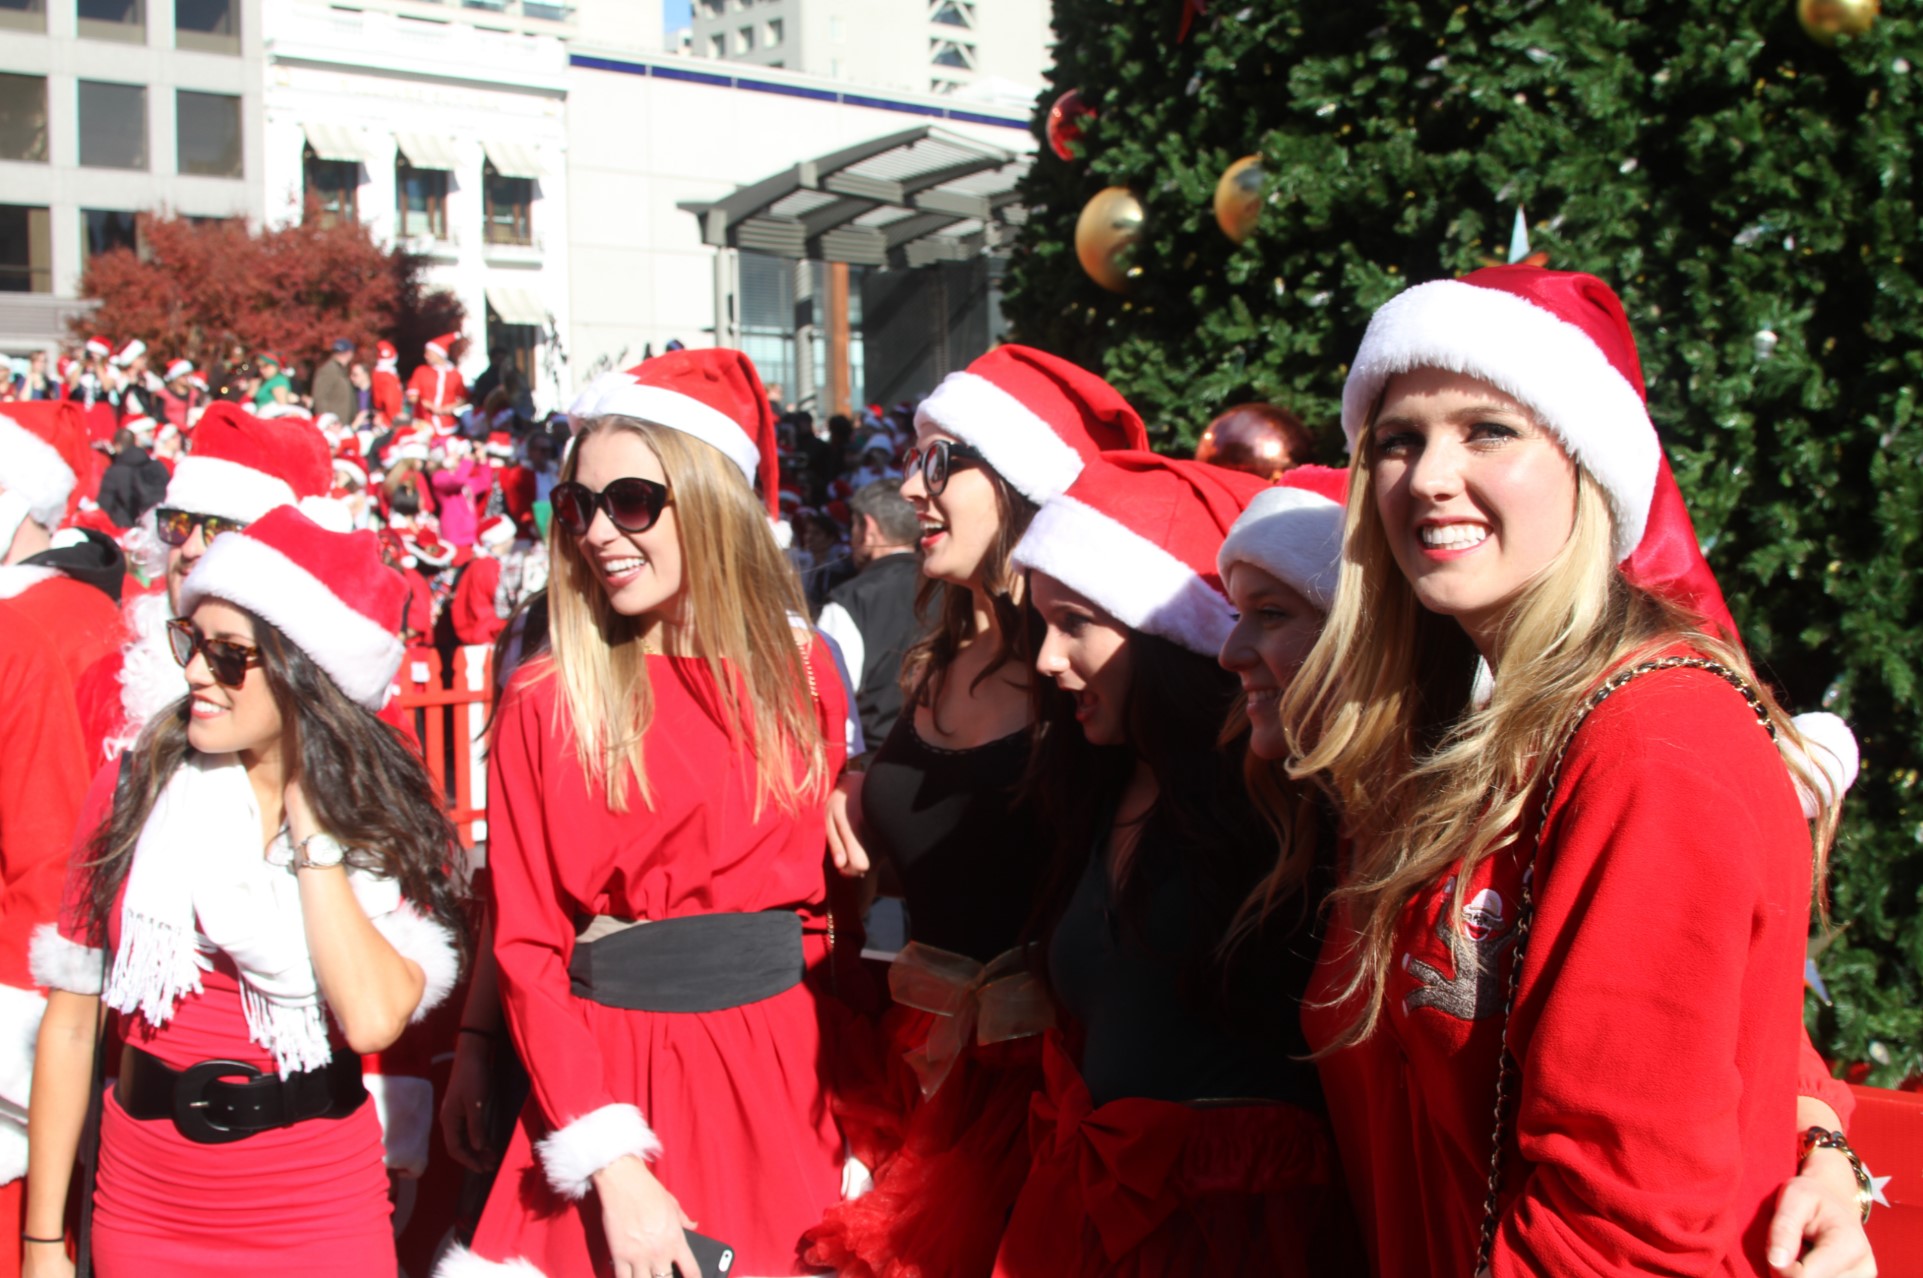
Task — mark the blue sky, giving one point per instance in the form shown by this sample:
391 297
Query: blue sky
676 14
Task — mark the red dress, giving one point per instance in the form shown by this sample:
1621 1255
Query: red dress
736 1096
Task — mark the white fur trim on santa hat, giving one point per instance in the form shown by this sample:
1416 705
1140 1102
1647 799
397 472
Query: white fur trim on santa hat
216 486
1022 447
32 467
1833 755
684 413
18 579
571 1155
132 351
429 946
459 1262
20 1013
61 964
357 652
1129 577
1293 535
405 1107
1531 355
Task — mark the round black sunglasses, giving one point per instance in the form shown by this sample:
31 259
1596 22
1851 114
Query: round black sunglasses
633 504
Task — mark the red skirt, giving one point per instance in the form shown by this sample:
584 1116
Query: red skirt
949 1176
1161 1190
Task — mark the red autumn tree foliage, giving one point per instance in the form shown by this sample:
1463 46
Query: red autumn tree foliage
201 289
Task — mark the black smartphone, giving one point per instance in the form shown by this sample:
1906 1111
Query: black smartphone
715 1258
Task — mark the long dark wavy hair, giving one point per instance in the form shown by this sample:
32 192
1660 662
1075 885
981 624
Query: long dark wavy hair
925 665
368 788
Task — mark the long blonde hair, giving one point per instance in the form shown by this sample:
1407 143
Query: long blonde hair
743 608
1426 782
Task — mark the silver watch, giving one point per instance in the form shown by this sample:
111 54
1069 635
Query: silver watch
319 851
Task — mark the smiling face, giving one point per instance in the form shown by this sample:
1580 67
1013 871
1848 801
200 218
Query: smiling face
1475 496
1086 652
1274 629
223 720
958 525
641 572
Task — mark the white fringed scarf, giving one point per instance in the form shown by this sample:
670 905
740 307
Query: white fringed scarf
199 884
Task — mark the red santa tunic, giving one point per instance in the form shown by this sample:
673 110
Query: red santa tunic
1657 1026
430 386
472 608
735 1096
80 620
42 781
386 394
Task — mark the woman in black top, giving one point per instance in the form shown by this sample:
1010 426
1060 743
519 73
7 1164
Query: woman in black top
938 1105
1181 1129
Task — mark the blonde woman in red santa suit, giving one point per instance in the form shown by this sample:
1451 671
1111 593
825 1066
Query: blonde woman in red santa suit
1601 858
268 873
657 784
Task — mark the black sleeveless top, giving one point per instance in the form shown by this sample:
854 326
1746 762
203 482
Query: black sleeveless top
969 856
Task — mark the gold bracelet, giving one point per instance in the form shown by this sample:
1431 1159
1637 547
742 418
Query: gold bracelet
1816 1138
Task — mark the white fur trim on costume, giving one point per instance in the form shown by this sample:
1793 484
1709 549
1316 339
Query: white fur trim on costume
60 964
459 1262
1833 754
684 413
1022 447
1131 578
1531 355
20 1012
571 1155
18 579
216 486
405 1107
150 678
430 946
357 652
32 467
1294 536
13 1150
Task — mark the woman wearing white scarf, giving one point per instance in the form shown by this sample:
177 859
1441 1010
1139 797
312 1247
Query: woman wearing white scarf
268 875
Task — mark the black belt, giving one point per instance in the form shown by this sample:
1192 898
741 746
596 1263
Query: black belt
216 1102
700 963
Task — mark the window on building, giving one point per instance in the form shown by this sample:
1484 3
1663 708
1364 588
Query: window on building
124 20
110 229
952 53
113 125
953 13
547 12
939 85
773 32
714 8
23 118
23 15
521 342
420 199
718 47
210 26
744 40
332 188
509 205
26 249
768 316
209 134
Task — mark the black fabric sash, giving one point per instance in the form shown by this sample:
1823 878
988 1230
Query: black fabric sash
700 963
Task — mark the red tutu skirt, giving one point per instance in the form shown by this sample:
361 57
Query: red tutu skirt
947 1169
1159 1190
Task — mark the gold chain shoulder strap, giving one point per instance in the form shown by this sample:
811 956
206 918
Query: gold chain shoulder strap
1526 911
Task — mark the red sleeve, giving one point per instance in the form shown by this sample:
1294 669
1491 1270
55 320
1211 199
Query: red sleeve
1814 1080
97 696
43 778
534 916
475 620
1658 1019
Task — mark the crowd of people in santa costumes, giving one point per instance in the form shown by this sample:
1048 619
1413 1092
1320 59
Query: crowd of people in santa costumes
1280 858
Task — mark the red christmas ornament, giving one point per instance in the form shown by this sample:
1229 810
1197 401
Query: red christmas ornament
1065 123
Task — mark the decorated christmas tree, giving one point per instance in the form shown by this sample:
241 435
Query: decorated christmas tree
1740 171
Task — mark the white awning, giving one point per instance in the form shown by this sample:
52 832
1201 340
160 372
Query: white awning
335 142
427 150
511 159
517 306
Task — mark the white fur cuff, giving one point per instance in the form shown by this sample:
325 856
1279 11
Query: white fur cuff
459 1262
405 1107
415 936
60 964
571 1155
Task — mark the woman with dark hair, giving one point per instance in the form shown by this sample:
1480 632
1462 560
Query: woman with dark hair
268 870
939 1119
1180 1130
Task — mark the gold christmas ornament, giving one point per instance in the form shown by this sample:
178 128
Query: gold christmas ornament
1824 20
1238 198
1105 237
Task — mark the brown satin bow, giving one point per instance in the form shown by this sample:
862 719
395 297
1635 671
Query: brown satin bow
991 1002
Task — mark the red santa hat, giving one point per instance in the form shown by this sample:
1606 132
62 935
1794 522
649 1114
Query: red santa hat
327 592
196 381
444 344
1293 532
713 394
63 366
268 357
500 444
132 351
99 347
241 466
178 369
495 531
350 466
1137 535
429 549
1036 418
43 453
